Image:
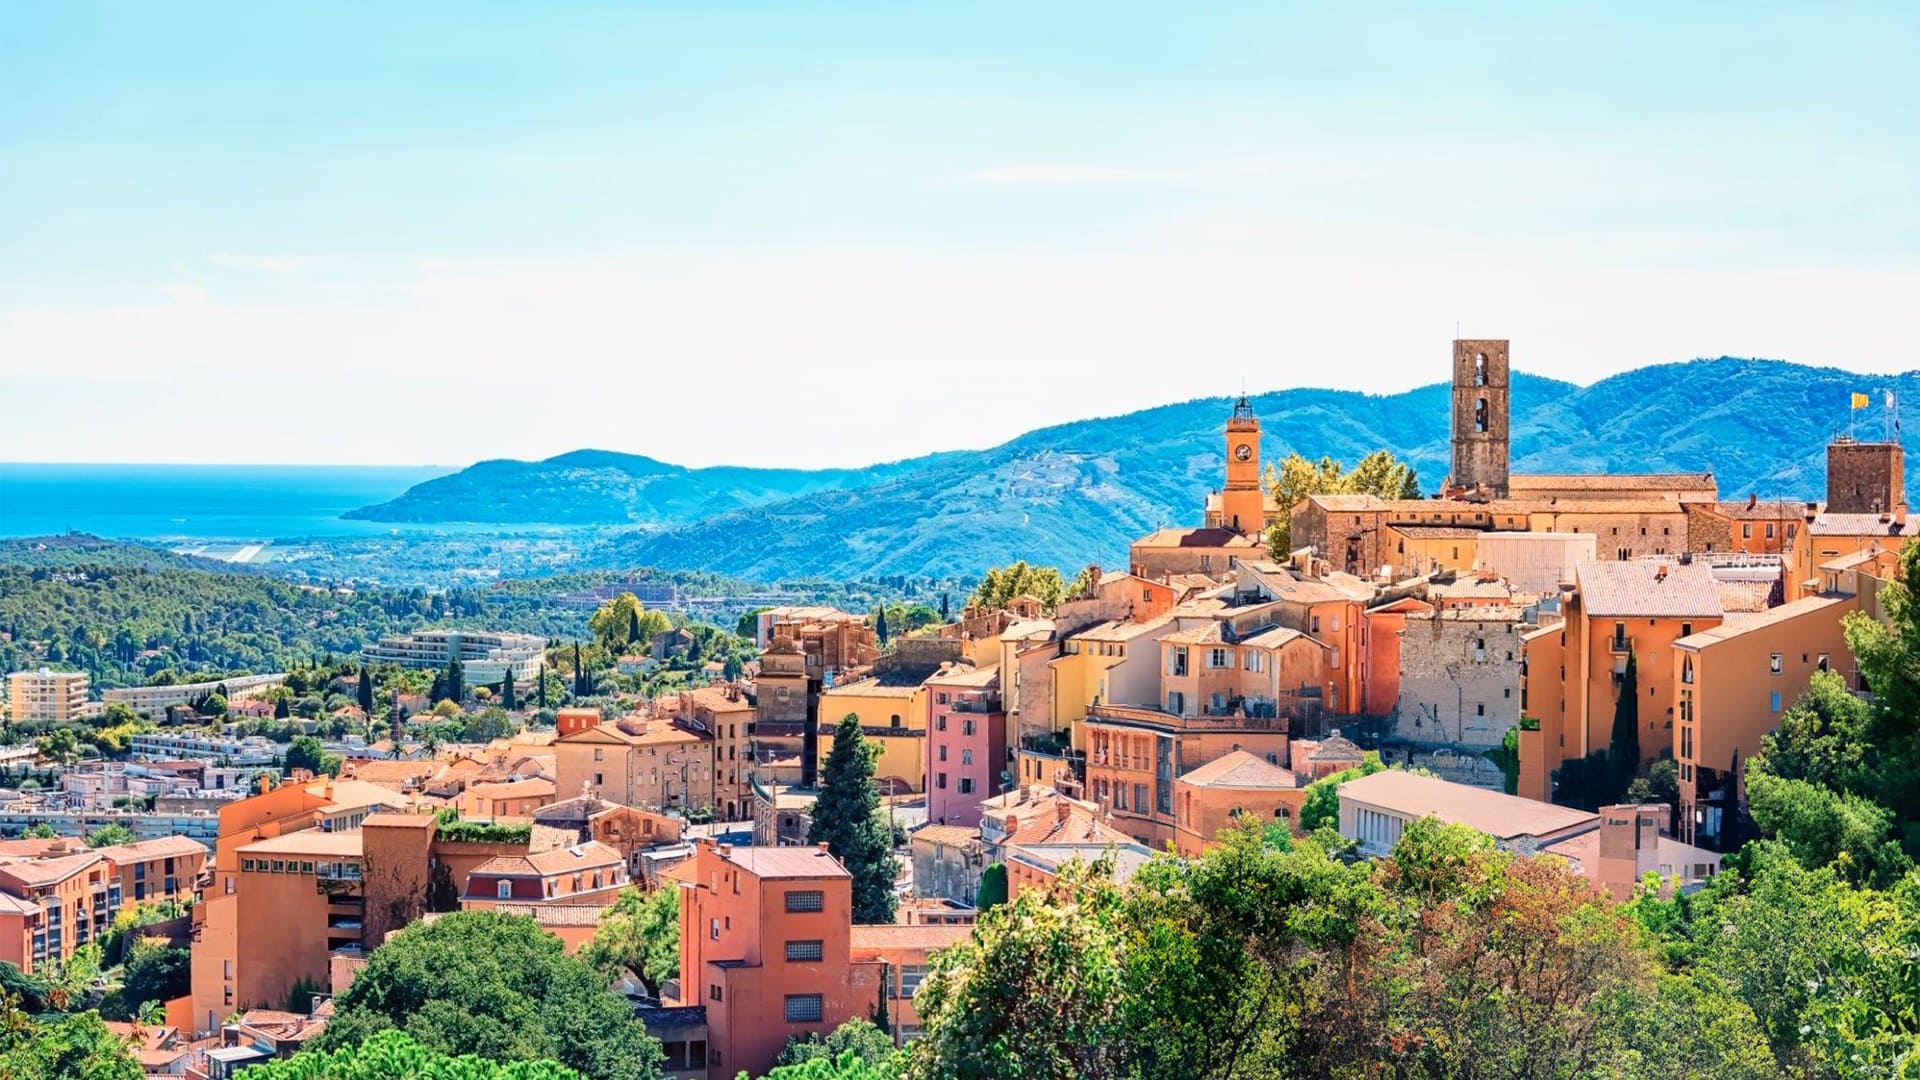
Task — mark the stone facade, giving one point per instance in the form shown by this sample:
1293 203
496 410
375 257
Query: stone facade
1459 677
1480 413
1865 478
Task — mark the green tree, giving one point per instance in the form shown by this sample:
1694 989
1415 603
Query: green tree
993 887
507 699
305 752
1320 807
71 1048
1001 585
1821 826
363 689
477 982
846 818
456 681
156 971
40 830
1295 478
1036 992
1623 747
639 933
1689 1027
880 624
109 835
848 1066
395 1055
857 1036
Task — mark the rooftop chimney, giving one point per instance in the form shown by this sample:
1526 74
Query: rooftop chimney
1753 500
1660 574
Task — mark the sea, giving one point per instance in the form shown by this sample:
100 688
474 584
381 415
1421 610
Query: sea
235 503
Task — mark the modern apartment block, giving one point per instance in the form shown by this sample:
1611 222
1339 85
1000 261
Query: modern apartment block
46 694
149 699
486 657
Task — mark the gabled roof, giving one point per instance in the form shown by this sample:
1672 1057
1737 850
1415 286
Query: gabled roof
1194 538
1240 769
34 873
1500 816
1806 607
784 862
1648 589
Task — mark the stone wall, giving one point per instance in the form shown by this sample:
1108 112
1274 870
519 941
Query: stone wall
1459 677
1462 766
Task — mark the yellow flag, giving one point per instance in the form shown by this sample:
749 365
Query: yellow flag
1860 401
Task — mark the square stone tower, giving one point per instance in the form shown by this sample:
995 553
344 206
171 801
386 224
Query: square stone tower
1865 477
1480 411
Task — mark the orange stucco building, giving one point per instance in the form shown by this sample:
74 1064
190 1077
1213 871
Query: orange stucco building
1572 673
1228 790
51 906
1734 681
1136 754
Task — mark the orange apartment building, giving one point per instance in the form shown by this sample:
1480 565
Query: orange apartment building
1136 755
1571 673
52 905
590 874
299 901
725 713
1734 681
649 762
166 868
769 949
1232 788
507 799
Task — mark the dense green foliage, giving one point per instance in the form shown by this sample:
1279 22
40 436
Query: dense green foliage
1449 959
75 1047
846 818
639 933
1295 478
450 826
858 1037
1320 809
393 1055
993 887
1000 586
477 982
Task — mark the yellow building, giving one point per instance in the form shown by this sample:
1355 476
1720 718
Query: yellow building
1115 662
47 695
892 708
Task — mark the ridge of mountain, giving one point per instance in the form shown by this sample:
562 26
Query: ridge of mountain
1080 491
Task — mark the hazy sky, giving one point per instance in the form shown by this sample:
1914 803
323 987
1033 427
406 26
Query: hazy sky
817 234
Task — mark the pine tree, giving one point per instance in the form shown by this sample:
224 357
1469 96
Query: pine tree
846 818
366 690
1623 749
506 692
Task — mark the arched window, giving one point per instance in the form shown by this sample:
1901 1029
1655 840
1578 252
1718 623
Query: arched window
1480 415
1480 369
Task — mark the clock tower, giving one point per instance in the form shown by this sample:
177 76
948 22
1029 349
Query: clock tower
1242 503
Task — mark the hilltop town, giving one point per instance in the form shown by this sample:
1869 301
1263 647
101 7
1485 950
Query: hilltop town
1334 753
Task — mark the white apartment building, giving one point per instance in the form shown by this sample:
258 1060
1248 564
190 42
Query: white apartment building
485 657
171 746
47 695
149 699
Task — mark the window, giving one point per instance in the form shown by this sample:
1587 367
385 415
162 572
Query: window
1823 664
713 929
1140 798
599 754
801 952
1480 710
966 727
503 889
1686 629
910 978
1774 664
598 779
713 992
966 785
803 1008
941 698
940 781
1480 415
1746 531
1176 703
813 900
966 757
1769 530
1217 658
1773 701
943 752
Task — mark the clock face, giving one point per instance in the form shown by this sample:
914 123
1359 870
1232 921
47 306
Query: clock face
1243 451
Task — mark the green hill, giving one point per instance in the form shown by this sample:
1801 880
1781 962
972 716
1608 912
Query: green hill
1077 492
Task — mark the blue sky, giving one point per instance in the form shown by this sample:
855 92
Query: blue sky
818 234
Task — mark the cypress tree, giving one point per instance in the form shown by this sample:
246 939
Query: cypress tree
506 692
578 680
880 625
456 680
1623 749
846 818
943 607
633 626
993 887
366 690
543 685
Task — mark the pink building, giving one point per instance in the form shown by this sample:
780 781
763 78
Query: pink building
966 743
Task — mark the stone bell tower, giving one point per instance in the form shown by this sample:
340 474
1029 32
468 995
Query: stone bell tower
1242 504
1480 411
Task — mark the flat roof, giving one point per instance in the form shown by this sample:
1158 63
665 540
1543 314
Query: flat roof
1733 628
307 842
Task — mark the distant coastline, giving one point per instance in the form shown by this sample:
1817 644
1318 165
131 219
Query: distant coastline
199 502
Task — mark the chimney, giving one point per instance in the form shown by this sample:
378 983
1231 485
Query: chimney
1063 810
1661 573
725 850
822 845
1753 500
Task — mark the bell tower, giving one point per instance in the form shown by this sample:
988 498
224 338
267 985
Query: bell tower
1242 504
1480 411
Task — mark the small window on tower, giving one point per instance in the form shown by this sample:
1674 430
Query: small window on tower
1480 415
1480 369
